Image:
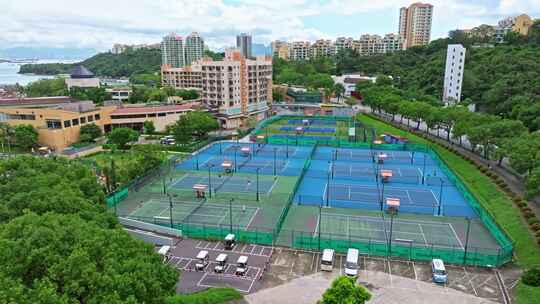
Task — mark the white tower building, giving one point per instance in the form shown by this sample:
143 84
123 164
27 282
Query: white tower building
453 74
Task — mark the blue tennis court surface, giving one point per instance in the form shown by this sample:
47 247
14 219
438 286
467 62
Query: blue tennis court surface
339 177
319 122
309 129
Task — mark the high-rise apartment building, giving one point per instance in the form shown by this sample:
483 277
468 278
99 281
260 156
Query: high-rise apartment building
243 43
321 48
453 74
299 50
415 24
172 51
375 44
342 43
280 49
194 48
233 89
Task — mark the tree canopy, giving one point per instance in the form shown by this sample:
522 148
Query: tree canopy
345 290
194 124
89 132
122 136
25 136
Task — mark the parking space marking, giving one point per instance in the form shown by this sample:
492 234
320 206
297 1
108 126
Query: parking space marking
294 261
341 265
390 273
255 250
470 281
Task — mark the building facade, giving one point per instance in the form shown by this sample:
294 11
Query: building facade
58 120
280 49
194 48
415 24
321 48
172 51
343 43
243 43
299 50
453 74
519 24
233 89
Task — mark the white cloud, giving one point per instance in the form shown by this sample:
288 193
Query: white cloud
100 23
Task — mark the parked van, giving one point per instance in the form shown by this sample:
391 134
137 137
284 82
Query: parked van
438 271
327 260
202 260
351 266
230 241
242 265
164 251
221 261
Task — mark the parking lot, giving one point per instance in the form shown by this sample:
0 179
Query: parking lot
269 267
183 257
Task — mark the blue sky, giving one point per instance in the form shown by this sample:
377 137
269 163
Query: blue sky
100 23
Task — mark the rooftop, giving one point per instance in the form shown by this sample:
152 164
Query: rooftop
35 101
154 109
80 71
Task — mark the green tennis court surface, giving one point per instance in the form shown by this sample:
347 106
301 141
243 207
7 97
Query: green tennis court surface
195 212
368 228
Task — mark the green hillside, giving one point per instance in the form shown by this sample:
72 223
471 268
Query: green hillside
141 61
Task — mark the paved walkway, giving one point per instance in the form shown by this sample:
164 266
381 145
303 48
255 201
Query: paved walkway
384 288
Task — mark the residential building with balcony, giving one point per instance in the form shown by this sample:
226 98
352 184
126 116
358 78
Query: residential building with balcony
280 49
415 24
299 50
321 48
233 89
172 51
453 74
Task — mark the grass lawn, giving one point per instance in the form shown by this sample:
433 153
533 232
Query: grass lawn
492 198
209 296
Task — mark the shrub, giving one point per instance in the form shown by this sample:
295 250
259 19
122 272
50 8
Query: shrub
537 234
528 215
533 220
535 227
531 277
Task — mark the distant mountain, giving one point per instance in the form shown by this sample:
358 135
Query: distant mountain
46 53
259 49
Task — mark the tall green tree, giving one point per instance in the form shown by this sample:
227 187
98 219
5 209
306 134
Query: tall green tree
524 154
149 127
46 87
77 261
194 124
122 136
345 290
89 132
25 136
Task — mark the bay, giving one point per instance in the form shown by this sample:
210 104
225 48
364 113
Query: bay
9 72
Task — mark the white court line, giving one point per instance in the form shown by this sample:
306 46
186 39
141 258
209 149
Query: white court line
434 196
409 196
272 187
325 189
377 219
455 235
316 226
423 234
252 217
420 172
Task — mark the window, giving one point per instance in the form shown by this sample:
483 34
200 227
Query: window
97 117
75 121
162 114
83 120
90 118
67 123
53 124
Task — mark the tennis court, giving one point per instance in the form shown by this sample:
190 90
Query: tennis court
308 129
195 212
226 183
319 122
368 228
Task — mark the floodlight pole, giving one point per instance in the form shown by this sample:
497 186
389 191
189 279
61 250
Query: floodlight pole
328 189
170 210
424 170
197 159
382 193
287 145
257 184
230 214
391 230
209 181
235 152
467 239
220 149
440 198
320 223
114 202
412 158
275 162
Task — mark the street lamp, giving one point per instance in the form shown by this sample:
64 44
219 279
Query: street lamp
235 152
382 194
320 224
197 161
390 238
